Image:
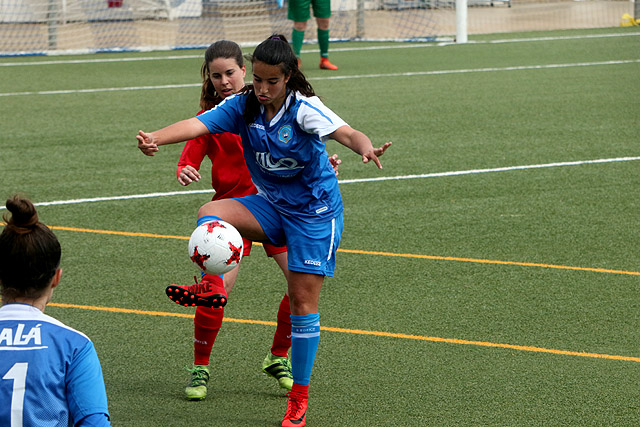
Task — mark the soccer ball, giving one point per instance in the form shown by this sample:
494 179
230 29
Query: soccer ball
215 247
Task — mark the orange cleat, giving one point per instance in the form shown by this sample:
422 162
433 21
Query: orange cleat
296 411
326 65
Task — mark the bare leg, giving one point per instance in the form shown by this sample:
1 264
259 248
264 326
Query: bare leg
304 292
236 214
323 23
229 278
282 260
300 26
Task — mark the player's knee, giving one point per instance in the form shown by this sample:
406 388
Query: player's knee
323 23
208 208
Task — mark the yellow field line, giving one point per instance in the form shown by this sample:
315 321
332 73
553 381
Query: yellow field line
491 261
117 233
363 332
389 254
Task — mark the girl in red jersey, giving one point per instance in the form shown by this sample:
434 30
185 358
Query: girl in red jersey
223 73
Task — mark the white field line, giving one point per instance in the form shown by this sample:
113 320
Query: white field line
352 181
485 70
359 76
106 89
479 171
412 45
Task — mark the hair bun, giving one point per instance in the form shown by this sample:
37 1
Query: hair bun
23 212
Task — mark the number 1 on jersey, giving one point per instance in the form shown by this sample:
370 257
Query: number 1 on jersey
17 373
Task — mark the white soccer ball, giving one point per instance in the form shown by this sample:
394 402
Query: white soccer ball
215 247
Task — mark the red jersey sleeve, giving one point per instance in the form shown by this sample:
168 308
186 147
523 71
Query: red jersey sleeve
229 174
194 152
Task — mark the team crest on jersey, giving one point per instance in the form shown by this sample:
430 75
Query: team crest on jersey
285 133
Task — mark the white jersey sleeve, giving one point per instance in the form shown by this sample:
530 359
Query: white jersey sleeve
314 117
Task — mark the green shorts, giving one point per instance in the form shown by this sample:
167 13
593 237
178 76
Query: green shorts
299 9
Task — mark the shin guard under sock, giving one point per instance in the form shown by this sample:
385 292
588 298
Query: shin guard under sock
305 337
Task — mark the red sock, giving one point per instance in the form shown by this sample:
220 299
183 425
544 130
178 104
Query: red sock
301 390
282 337
207 323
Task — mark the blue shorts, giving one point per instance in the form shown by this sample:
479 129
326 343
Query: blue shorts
311 246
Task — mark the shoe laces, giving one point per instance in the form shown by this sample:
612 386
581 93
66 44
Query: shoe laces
199 376
284 361
295 405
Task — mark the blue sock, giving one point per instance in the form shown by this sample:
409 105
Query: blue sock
207 218
305 336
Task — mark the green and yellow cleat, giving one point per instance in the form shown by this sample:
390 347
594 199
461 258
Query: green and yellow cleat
197 388
279 368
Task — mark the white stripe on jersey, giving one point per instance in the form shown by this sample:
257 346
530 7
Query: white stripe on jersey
316 118
25 348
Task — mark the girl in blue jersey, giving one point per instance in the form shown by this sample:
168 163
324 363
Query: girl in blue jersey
50 374
283 127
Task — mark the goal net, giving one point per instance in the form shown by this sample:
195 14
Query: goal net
29 27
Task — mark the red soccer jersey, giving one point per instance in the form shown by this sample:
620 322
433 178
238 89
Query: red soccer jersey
229 174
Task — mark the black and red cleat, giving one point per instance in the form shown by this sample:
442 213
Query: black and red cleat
203 294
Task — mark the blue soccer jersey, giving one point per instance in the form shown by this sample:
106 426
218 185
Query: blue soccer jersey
50 374
286 156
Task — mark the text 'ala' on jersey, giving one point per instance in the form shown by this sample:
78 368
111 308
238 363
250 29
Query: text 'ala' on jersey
49 372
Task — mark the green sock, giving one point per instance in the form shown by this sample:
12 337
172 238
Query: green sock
297 37
323 41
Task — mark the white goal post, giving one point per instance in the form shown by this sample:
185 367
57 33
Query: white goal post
461 21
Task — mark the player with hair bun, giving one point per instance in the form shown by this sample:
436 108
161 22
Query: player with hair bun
49 373
283 127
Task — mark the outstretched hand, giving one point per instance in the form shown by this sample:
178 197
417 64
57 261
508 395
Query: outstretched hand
146 143
372 155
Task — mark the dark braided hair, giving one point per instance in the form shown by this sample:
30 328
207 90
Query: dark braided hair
209 98
29 252
276 51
